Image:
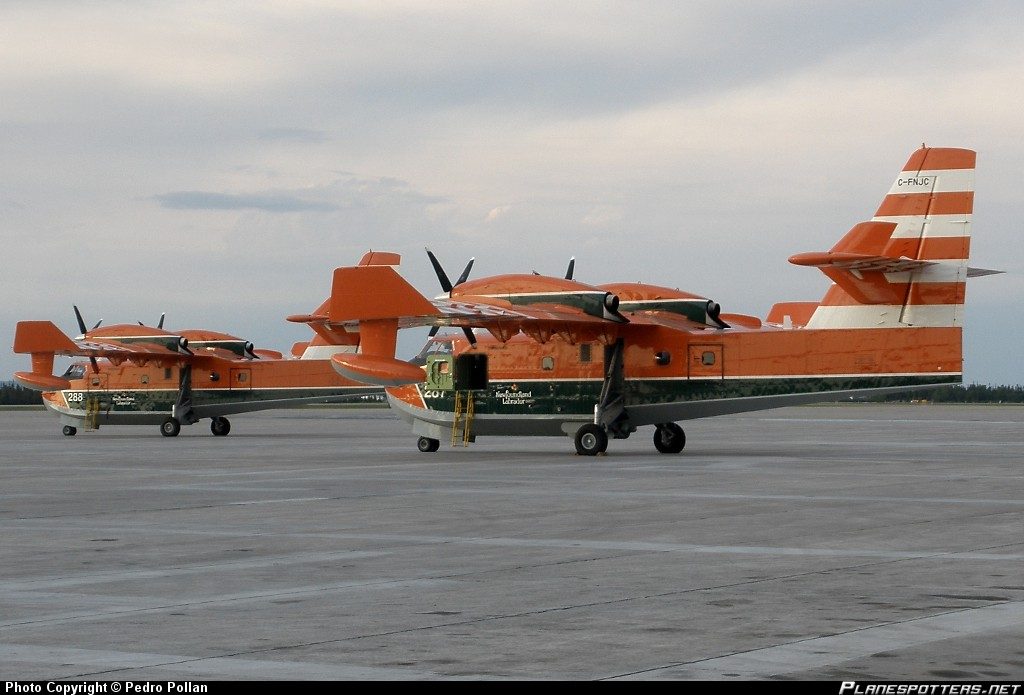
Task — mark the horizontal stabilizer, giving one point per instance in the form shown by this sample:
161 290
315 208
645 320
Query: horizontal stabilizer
859 261
377 370
307 318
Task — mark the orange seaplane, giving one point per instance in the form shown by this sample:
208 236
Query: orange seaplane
143 375
560 357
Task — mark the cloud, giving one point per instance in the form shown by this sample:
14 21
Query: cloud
293 135
693 144
268 202
495 213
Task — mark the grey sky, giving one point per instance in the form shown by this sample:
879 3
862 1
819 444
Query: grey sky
218 160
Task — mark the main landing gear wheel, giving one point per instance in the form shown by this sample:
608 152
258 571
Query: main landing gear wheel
426 444
170 427
69 431
220 426
669 438
591 440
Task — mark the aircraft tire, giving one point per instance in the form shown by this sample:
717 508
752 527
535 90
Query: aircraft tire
669 438
591 440
69 431
170 427
426 444
220 426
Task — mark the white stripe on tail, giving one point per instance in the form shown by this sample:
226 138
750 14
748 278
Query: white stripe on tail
908 265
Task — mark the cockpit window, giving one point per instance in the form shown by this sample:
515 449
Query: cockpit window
439 347
75 371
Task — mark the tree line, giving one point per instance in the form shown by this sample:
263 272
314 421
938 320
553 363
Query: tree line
15 394
961 393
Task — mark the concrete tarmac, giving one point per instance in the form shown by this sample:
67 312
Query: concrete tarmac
834 542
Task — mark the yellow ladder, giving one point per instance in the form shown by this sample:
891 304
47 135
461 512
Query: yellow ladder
463 417
92 414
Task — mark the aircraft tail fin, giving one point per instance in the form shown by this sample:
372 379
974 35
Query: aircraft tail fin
42 340
907 266
376 297
329 341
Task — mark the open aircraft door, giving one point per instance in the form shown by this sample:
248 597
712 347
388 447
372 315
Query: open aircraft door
706 361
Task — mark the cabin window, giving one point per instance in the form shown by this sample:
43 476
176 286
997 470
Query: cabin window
242 377
214 376
584 353
167 372
548 363
95 381
708 358
144 378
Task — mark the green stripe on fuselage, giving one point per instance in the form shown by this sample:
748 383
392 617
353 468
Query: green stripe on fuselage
578 397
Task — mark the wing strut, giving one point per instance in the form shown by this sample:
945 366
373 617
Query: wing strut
610 411
182 409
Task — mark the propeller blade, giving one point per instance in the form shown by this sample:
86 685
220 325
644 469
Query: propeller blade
442 277
81 327
81 322
571 268
465 273
158 325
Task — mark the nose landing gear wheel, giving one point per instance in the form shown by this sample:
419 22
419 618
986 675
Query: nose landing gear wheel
591 440
220 426
426 444
170 427
669 438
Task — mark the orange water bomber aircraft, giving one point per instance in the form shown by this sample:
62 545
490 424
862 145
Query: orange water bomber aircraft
143 375
598 362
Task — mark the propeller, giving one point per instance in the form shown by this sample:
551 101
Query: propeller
81 322
442 277
81 327
568 271
447 286
159 325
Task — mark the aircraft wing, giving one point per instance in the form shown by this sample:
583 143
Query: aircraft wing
669 320
43 340
491 312
377 301
376 293
45 337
